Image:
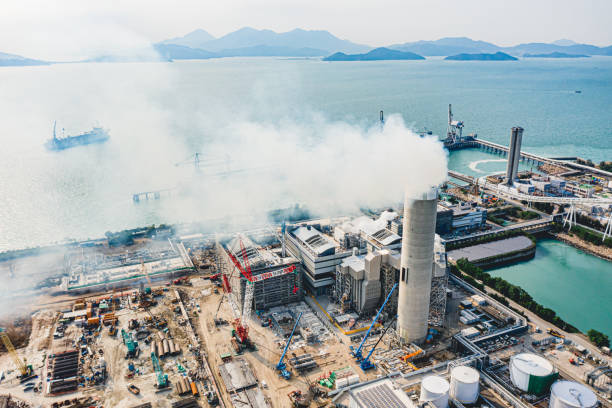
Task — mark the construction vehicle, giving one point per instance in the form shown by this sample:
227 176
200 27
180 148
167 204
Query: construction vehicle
133 389
555 333
132 346
26 372
365 363
357 353
162 379
281 366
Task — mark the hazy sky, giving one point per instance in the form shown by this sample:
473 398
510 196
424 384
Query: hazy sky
73 28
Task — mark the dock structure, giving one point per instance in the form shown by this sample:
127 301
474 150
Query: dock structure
526 156
152 195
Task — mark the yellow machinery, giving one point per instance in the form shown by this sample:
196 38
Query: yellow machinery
25 370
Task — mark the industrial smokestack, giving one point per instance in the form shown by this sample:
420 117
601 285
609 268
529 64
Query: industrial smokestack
510 164
518 131
416 265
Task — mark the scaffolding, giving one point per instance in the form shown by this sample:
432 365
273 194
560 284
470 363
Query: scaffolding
437 300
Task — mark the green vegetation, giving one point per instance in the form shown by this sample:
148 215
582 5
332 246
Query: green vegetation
489 238
513 292
590 222
517 212
548 208
605 166
598 338
590 236
126 237
496 220
498 216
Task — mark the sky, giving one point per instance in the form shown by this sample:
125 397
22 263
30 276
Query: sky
64 29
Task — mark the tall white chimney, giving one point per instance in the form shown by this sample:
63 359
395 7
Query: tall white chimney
416 265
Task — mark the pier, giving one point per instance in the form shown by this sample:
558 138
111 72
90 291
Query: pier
525 156
151 195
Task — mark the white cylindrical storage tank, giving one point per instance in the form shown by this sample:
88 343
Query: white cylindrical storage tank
416 265
525 366
569 394
464 384
435 390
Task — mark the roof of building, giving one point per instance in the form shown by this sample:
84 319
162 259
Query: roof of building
252 252
355 262
380 394
481 251
315 240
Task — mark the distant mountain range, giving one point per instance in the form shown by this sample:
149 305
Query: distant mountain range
250 42
12 60
498 56
556 55
463 45
377 54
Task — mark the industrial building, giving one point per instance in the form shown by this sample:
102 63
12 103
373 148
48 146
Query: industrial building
277 279
459 217
416 265
319 254
105 272
364 281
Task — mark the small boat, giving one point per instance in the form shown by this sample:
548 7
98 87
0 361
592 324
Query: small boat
133 389
578 91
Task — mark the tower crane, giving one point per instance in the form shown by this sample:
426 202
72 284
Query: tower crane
281 366
26 371
357 353
241 328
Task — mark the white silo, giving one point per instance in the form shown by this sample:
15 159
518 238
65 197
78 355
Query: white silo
530 372
464 384
416 265
435 390
570 394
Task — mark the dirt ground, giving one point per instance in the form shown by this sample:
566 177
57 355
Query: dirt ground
269 350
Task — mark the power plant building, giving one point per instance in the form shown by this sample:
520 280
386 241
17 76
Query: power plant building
278 280
320 254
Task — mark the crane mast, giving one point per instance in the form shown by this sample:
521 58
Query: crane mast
25 370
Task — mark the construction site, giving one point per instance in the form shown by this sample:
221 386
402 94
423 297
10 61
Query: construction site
345 312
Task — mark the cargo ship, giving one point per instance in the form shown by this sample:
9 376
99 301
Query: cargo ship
95 135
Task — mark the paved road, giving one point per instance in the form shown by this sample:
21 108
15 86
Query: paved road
543 324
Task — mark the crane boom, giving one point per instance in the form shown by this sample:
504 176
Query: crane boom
281 366
19 363
366 364
357 353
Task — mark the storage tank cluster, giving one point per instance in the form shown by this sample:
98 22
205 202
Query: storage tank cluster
434 389
531 373
465 384
570 394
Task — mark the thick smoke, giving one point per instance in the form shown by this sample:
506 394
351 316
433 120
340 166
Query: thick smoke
330 167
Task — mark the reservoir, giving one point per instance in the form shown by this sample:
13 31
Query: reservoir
575 284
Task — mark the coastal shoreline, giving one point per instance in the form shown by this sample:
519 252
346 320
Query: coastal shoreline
600 252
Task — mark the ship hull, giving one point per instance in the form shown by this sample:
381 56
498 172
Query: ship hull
93 137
